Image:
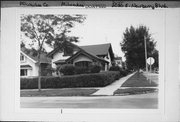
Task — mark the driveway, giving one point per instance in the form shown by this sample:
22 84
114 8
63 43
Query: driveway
142 101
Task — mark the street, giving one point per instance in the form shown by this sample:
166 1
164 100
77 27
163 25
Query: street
142 101
138 101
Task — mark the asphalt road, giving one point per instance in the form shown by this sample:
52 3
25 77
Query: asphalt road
143 101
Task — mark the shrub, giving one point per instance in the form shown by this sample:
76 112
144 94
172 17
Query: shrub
46 70
83 80
81 70
95 68
67 69
117 68
114 68
123 72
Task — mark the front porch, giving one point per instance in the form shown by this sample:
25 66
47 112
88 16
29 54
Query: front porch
86 64
82 59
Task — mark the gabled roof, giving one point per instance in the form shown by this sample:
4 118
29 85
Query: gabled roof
60 48
99 49
95 50
87 54
43 57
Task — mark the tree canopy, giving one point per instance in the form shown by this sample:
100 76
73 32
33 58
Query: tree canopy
133 46
48 29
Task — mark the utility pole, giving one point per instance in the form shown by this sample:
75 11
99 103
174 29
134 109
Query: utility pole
145 53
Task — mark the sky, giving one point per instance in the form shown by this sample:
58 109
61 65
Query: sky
108 27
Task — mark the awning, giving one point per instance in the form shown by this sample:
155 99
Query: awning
26 67
60 62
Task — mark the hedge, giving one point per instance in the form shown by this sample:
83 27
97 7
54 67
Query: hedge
117 68
70 69
114 68
67 69
94 68
81 70
82 80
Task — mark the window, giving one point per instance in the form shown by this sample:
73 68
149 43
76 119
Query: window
23 72
68 51
22 58
83 64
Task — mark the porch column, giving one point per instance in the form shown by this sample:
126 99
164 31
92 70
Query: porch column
106 67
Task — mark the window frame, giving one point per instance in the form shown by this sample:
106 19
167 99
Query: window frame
21 58
25 72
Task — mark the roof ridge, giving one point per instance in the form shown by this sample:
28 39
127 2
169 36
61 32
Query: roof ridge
94 44
83 51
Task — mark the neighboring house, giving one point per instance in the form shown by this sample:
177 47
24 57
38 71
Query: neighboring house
83 56
118 61
29 63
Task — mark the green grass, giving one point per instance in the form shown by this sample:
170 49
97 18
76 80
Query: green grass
57 92
138 80
130 91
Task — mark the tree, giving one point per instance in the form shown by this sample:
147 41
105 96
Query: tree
155 55
133 46
45 29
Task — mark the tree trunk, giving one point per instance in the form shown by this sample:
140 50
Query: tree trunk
39 73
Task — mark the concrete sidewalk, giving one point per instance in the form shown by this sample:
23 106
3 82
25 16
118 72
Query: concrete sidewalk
109 90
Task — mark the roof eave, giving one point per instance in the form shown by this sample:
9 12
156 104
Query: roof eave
82 51
29 57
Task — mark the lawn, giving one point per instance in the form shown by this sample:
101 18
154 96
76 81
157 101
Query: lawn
57 92
138 80
129 91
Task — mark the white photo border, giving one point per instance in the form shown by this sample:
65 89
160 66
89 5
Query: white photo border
55 114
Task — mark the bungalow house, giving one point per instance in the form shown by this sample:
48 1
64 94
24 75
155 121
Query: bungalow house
83 56
29 63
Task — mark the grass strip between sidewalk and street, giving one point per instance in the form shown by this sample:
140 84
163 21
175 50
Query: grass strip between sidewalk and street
57 92
138 80
130 91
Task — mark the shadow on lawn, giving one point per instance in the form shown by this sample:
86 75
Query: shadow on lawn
139 80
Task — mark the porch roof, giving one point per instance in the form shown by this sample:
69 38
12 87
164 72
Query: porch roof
59 61
86 54
26 67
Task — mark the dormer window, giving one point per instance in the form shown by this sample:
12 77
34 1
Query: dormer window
68 52
22 58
